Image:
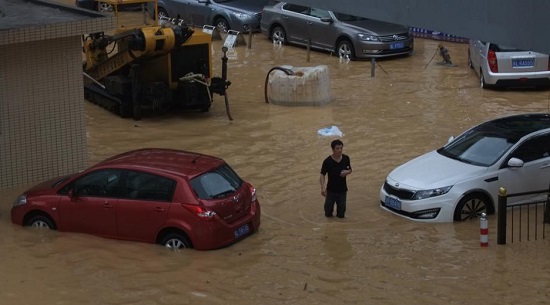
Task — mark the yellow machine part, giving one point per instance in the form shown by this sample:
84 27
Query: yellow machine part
159 68
94 55
158 39
200 37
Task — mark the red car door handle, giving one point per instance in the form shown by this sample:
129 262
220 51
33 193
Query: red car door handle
159 209
108 205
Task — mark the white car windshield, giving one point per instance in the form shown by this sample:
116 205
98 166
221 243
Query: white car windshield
485 144
477 148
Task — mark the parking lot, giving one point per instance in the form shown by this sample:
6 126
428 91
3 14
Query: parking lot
411 106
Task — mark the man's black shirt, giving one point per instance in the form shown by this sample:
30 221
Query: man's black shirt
336 183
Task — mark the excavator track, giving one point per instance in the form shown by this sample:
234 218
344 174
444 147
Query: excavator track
97 95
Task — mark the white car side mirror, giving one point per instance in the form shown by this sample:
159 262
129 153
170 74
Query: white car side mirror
451 138
515 162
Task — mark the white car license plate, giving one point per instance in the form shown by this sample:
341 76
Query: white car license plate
241 231
523 62
392 203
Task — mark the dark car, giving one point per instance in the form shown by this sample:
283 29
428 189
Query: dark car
87 4
348 36
237 15
107 5
175 198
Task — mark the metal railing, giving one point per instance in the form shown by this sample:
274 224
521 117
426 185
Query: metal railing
527 219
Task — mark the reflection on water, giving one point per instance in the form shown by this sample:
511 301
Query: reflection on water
411 106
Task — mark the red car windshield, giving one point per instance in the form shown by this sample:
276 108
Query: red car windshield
217 183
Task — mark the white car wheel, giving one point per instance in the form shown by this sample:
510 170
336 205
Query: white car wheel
471 207
482 82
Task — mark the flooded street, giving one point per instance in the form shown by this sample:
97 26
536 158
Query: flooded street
298 256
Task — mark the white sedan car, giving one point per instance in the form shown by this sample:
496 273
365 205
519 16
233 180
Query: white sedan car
503 66
461 180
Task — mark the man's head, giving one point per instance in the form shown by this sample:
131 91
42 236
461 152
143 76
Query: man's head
335 143
337 147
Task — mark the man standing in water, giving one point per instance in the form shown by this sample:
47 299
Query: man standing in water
337 166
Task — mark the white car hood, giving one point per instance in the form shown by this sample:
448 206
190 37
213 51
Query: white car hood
433 170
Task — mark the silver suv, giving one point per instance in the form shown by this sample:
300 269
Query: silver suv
503 66
348 36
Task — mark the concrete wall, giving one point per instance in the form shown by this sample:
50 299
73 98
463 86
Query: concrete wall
42 122
42 117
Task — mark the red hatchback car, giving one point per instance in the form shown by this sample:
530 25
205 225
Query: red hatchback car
175 198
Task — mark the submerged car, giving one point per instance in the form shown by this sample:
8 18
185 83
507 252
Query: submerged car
237 15
461 180
175 198
503 66
347 36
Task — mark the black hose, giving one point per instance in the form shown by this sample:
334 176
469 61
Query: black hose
227 107
287 71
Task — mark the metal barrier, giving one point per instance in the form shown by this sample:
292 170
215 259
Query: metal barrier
526 219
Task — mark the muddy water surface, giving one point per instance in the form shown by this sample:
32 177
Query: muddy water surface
411 106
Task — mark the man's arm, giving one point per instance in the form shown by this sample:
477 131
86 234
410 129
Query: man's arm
345 172
348 170
322 181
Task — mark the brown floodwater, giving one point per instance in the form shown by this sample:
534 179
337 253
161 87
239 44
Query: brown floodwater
411 106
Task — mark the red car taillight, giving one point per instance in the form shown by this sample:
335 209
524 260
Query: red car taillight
492 60
253 191
253 197
201 212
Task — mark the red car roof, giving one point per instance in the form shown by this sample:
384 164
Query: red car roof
177 162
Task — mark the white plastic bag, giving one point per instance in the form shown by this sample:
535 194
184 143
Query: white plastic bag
330 132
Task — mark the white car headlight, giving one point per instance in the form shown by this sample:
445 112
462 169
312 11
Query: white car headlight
22 199
431 193
242 16
367 37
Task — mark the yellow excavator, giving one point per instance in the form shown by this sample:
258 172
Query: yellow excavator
149 65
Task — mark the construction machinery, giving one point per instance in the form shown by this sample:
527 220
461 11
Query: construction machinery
149 65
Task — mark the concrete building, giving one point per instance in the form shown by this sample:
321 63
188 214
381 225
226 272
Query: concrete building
42 117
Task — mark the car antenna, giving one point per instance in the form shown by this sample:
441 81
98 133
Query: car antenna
195 160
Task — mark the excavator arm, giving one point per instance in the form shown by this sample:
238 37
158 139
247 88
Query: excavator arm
152 67
148 41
